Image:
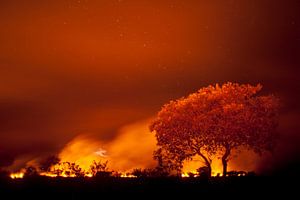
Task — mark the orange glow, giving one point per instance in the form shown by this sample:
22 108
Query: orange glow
73 67
125 175
193 165
48 174
132 149
17 175
82 150
245 161
187 174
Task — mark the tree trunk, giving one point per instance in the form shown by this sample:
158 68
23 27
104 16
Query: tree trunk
224 162
207 163
225 159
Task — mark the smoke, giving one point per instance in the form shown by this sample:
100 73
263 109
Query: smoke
60 86
82 150
132 148
285 160
134 144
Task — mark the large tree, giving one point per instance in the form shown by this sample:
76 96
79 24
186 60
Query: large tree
217 119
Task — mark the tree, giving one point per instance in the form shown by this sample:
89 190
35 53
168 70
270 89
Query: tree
217 119
100 169
67 169
168 161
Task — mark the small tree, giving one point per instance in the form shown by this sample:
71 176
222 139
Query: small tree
76 170
168 161
67 169
99 168
217 119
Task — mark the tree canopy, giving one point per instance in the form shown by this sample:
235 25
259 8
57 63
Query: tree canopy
217 119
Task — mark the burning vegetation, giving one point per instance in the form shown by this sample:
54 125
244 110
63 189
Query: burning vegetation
196 136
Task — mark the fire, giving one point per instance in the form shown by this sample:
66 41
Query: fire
192 166
188 174
245 161
51 174
126 175
17 175
82 150
48 174
132 149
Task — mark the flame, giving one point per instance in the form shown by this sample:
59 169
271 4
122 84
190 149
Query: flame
187 174
82 150
126 175
245 161
48 174
131 149
19 174
197 162
51 174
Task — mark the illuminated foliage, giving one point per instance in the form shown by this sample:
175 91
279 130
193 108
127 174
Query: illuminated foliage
99 168
67 169
168 161
217 119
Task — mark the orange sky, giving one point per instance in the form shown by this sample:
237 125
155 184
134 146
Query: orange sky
71 67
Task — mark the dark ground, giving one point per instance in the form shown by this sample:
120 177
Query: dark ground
100 188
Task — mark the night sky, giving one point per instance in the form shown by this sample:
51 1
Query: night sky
71 67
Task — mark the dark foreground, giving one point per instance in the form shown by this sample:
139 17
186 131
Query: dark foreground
100 188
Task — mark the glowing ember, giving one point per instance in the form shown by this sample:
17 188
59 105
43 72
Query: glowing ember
125 175
189 174
88 175
17 175
86 157
48 174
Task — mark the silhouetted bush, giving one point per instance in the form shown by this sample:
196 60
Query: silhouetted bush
204 172
100 169
149 173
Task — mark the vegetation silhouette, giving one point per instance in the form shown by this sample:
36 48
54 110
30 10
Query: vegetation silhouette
37 187
215 120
